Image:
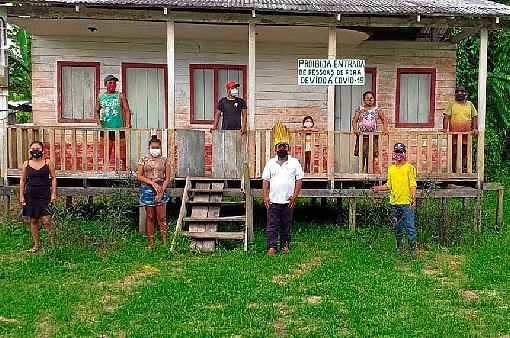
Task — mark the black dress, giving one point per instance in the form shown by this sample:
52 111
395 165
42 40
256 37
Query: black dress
37 192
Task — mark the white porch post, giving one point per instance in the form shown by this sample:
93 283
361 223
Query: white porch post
4 93
482 104
251 76
170 61
331 109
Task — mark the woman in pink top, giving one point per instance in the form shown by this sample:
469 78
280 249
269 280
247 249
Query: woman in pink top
365 121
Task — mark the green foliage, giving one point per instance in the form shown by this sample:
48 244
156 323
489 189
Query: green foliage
23 117
20 64
498 92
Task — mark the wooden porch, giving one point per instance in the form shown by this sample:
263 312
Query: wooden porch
92 153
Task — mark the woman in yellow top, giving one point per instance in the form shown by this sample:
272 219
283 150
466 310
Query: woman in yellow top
402 186
460 117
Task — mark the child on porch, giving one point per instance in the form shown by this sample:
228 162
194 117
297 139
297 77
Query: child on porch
308 128
402 186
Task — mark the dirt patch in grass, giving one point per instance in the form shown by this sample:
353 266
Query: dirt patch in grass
45 328
4 320
132 280
299 271
469 294
314 299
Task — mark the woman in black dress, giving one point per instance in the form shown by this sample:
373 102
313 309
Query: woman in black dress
38 189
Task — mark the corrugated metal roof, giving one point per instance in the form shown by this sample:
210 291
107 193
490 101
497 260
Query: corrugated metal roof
366 7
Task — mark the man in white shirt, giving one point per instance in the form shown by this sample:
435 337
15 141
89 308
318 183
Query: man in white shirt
282 180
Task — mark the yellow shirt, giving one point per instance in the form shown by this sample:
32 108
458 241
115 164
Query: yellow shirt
461 116
400 180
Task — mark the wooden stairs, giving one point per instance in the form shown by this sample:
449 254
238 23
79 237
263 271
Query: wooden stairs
201 217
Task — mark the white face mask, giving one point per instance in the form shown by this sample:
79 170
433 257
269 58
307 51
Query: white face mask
155 152
308 124
234 92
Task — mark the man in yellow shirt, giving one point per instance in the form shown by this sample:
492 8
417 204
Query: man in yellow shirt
402 186
460 117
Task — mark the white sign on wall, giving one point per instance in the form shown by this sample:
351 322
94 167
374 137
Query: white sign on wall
338 72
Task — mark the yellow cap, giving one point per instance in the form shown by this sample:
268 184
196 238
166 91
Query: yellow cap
280 134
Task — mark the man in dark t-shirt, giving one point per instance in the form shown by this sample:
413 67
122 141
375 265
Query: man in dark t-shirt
233 109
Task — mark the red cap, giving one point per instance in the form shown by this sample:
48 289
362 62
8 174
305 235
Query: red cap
231 84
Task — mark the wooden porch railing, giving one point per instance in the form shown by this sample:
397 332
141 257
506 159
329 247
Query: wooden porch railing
432 153
84 152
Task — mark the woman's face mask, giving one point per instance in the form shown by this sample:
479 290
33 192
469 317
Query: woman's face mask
308 124
111 86
36 153
234 92
155 152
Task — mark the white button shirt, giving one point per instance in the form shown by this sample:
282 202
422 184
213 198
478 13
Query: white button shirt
282 178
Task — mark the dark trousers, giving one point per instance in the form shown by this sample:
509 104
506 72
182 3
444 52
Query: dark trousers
279 217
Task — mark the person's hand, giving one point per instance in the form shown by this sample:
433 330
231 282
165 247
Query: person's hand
243 131
213 129
292 202
413 203
53 198
375 188
475 132
157 187
386 131
22 201
444 130
159 196
356 132
267 202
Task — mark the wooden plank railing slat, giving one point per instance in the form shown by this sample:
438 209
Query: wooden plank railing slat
117 150
459 153
449 154
370 153
74 154
84 143
429 154
106 150
52 144
95 155
470 154
19 148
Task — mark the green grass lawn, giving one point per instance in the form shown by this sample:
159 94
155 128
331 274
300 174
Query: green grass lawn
333 283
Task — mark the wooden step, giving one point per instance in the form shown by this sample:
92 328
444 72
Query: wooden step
231 219
210 179
215 235
216 202
215 190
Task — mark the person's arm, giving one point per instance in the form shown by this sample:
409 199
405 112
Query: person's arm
22 182
300 174
98 111
53 175
446 117
413 185
384 187
125 110
474 119
143 179
355 120
266 177
297 189
265 193
384 121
